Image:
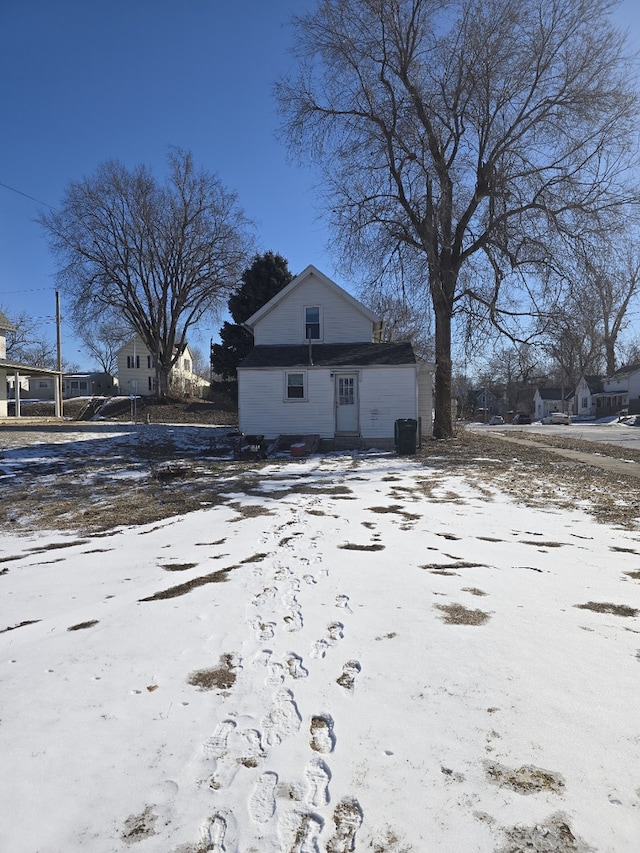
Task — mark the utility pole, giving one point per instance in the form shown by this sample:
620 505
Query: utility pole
58 396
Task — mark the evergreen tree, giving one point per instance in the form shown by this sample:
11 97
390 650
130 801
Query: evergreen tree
266 276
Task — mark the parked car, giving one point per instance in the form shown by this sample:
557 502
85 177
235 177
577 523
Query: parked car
496 420
521 418
556 418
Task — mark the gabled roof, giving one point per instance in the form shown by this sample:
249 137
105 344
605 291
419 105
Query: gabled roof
555 393
5 324
594 383
295 283
626 370
330 355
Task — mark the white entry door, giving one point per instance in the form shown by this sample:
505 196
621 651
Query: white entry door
346 402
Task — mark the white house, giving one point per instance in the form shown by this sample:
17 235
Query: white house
547 400
588 391
620 391
137 372
318 368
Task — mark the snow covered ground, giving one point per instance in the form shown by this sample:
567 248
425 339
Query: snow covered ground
348 654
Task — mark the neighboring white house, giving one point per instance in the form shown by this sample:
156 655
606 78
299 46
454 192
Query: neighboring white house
547 400
620 391
318 368
137 372
588 391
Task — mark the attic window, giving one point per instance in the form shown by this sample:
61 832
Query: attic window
312 323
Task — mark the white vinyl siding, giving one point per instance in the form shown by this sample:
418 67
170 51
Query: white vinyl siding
385 394
340 321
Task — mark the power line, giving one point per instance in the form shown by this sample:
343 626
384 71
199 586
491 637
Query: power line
26 195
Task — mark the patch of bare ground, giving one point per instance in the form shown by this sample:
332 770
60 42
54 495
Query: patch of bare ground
219 576
552 836
535 476
526 779
457 614
607 607
221 677
150 473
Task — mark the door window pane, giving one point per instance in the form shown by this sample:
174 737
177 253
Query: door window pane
346 391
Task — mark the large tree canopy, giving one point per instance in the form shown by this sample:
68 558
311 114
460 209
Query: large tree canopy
477 141
266 276
160 256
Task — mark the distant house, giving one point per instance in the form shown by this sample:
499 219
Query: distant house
94 384
620 391
486 403
318 368
547 400
137 372
588 392
16 376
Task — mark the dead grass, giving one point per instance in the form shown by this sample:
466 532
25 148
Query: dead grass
526 779
457 614
178 567
141 479
219 576
82 625
352 546
221 677
20 625
606 607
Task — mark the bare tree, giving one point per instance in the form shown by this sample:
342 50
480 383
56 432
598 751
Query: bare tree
26 345
478 140
404 321
160 256
103 339
612 283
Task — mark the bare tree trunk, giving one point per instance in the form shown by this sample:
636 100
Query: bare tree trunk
442 425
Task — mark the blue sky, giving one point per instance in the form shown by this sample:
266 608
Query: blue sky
84 81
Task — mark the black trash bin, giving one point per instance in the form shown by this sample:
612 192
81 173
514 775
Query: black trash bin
405 434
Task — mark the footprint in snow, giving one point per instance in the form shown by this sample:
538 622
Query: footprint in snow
318 778
216 745
319 649
347 817
349 671
299 832
323 739
262 803
293 621
214 832
343 601
294 665
282 720
264 630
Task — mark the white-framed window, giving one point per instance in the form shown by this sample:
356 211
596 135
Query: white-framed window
187 365
312 325
133 361
151 383
151 362
295 385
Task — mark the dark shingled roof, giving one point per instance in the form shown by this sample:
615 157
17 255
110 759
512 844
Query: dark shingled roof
330 355
555 393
